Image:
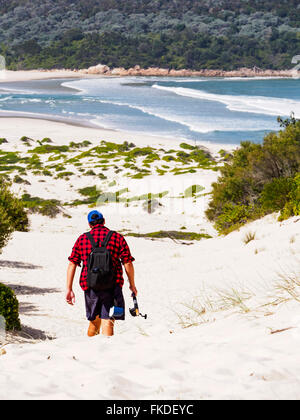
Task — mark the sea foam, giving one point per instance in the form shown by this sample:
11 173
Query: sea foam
251 104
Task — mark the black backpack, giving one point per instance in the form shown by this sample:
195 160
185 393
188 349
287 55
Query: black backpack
100 275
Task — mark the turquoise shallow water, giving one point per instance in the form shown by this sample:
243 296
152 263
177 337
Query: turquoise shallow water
215 110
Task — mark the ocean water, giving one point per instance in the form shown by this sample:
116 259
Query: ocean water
201 109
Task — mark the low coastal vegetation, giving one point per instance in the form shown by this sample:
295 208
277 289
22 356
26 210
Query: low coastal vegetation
50 207
9 309
102 164
12 214
171 234
205 307
259 179
64 161
255 180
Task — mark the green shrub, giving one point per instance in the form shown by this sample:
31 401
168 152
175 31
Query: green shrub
91 194
50 207
48 148
34 162
90 172
172 234
168 158
6 228
234 216
19 180
12 214
259 179
9 308
187 146
275 194
26 140
65 175
292 207
85 143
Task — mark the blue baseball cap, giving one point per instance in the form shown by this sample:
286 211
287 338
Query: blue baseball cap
94 216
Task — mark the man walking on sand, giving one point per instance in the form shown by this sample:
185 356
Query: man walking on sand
99 303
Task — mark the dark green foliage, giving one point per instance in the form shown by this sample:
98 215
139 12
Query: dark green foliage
193 154
275 194
288 121
259 179
91 195
9 308
8 158
90 172
175 34
64 175
50 207
26 140
172 50
190 236
89 191
292 205
187 146
12 214
3 140
48 148
74 145
225 155
6 227
46 140
19 180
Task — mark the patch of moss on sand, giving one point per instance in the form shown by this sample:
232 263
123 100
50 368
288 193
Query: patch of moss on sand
172 234
50 207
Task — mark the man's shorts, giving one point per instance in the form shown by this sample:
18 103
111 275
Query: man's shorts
100 303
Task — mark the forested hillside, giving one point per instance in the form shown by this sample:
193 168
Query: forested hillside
175 33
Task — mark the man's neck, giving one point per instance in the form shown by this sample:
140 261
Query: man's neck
97 227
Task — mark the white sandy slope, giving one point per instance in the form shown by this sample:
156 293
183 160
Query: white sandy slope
231 355
226 351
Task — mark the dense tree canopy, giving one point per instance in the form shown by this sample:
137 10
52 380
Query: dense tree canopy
172 33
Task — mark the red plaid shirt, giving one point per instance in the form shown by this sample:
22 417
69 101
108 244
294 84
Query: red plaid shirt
117 246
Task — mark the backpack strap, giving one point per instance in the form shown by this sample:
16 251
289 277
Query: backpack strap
107 239
91 239
104 243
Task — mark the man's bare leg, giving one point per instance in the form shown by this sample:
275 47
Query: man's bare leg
107 327
94 327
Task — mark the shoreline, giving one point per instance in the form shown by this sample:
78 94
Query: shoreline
62 132
55 76
101 70
107 133
55 118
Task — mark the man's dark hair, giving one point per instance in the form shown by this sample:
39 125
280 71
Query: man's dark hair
96 221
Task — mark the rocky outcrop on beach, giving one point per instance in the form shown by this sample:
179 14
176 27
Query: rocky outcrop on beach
102 69
99 69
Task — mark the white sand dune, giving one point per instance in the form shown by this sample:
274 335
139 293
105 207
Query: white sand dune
229 355
219 323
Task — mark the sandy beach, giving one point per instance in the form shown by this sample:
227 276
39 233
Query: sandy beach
25 75
102 70
221 324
